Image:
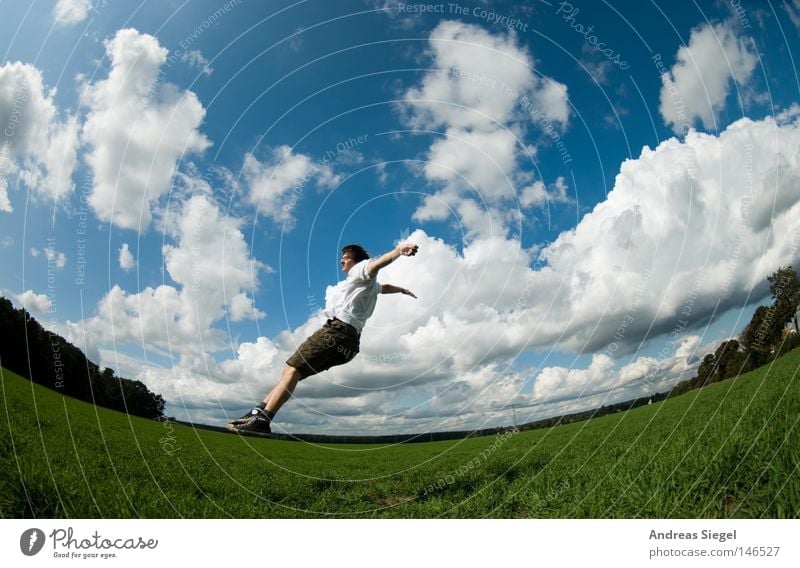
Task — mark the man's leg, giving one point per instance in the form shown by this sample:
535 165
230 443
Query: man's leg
283 390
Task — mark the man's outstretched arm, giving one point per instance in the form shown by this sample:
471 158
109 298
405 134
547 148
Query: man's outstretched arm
392 289
386 259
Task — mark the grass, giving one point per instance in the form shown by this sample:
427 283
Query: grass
729 450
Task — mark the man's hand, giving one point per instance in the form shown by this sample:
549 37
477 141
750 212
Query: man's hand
407 249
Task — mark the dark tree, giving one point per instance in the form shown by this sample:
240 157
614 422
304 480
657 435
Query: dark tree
707 368
729 360
760 336
784 285
48 359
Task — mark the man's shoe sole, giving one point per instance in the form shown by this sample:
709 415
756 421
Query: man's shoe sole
237 421
231 428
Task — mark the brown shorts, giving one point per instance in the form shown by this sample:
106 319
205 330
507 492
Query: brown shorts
335 343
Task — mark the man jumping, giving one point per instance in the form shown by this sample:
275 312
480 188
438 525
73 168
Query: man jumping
349 306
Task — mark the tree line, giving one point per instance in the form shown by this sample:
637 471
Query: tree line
48 359
766 337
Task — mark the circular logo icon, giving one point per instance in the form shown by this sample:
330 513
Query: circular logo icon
31 542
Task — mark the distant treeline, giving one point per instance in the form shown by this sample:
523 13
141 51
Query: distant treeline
453 435
763 340
48 359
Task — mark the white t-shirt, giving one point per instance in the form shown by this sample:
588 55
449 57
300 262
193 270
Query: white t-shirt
353 300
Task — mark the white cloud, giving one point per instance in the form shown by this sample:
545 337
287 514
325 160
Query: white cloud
196 60
33 302
56 258
37 148
558 383
213 270
212 261
254 363
536 193
126 260
5 202
485 94
138 129
551 97
788 114
683 230
643 376
484 159
71 12
480 80
56 161
699 82
277 184
241 307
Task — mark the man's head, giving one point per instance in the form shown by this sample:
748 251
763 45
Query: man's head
352 255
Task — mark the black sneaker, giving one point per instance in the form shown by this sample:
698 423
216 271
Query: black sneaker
255 423
246 418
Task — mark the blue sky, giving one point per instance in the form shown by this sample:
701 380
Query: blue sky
598 190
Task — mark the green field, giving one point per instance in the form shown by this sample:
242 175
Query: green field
728 450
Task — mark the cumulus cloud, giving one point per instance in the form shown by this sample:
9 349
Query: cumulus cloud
33 302
212 260
38 149
699 82
277 183
71 12
559 383
482 97
684 231
254 362
463 156
644 375
480 80
126 260
241 307
213 271
138 128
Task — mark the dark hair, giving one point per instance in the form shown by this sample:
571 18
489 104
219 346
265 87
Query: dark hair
356 251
